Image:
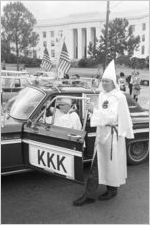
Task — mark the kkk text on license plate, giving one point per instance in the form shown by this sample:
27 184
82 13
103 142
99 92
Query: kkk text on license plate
52 160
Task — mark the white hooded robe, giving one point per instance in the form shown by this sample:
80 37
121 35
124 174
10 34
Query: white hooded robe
112 172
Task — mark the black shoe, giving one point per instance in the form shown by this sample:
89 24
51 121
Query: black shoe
107 195
83 200
104 194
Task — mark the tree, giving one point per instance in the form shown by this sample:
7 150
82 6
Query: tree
121 40
17 25
5 47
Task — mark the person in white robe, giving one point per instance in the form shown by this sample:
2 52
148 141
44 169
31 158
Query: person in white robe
65 116
114 124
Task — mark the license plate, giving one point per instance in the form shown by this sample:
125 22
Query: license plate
52 161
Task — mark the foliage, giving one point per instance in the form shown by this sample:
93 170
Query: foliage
147 62
121 41
5 48
123 60
134 62
95 52
11 58
17 28
88 62
74 63
28 62
138 63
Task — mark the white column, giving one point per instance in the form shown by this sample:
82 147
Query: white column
98 32
41 45
79 43
88 33
69 42
48 39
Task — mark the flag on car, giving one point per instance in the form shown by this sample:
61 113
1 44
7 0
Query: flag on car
46 62
64 62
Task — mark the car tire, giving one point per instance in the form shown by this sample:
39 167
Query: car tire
137 152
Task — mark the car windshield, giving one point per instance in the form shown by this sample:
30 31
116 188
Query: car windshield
25 103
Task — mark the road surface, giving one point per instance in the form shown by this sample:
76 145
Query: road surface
38 198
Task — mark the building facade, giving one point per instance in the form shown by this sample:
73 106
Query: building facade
79 30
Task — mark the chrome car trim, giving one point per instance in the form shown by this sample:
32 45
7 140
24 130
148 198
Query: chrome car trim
54 148
92 134
140 120
12 141
16 172
145 113
143 130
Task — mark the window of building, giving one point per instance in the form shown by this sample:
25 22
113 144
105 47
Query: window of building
52 53
52 43
143 26
143 50
44 43
44 34
133 28
143 37
52 33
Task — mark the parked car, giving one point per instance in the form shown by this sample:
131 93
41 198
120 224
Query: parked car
29 142
12 82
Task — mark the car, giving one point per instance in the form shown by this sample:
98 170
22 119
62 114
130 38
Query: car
29 142
41 78
12 82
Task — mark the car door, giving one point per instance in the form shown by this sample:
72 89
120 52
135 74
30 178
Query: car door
90 131
55 149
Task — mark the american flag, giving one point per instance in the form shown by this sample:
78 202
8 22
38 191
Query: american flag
46 62
64 62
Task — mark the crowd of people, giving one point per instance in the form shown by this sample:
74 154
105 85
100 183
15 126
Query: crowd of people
132 82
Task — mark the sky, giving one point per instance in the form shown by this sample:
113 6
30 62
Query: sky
56 9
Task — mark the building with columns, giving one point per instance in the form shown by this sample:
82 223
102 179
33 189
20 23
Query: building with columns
80 29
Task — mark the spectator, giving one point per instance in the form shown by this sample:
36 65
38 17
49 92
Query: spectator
136 86
122 82
77 81
66 76
130 85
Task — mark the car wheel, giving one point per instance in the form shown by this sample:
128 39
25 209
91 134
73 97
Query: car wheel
137 152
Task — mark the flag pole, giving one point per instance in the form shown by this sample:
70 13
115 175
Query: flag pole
106 34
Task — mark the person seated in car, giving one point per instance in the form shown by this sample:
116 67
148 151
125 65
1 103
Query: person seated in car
65 115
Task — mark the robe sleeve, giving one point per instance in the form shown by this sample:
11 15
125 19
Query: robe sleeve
76 123
104 116
125 126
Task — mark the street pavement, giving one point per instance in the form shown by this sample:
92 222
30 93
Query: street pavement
39 198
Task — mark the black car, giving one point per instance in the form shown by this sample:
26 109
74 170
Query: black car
29 142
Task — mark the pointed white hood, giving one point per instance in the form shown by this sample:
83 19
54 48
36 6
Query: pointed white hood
110 73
